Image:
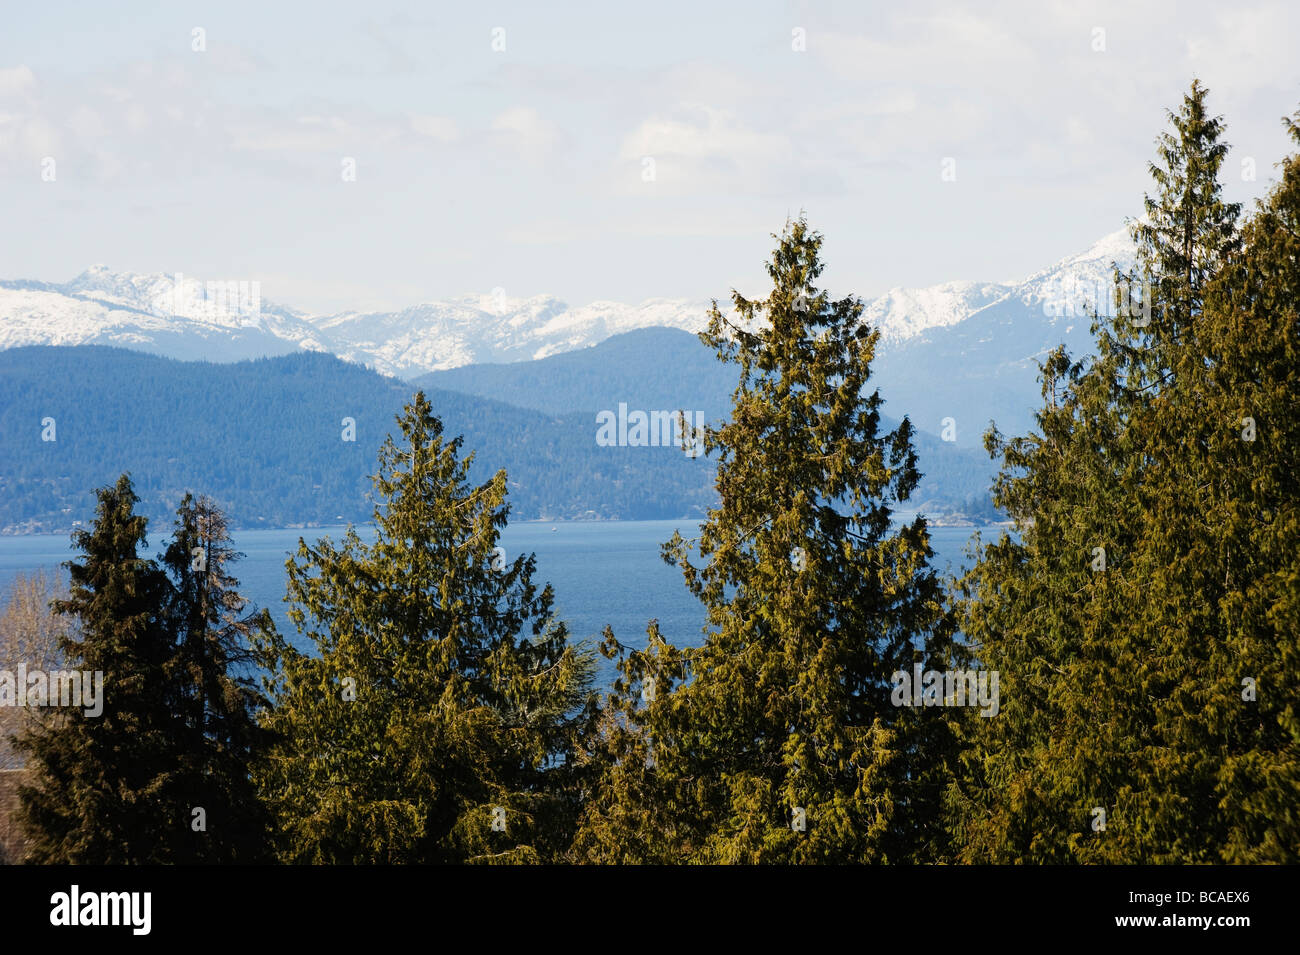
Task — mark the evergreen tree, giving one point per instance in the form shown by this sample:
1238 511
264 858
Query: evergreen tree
633 810
778 740
435 721
1093 757
107 782
1224 566
214 694
1188 232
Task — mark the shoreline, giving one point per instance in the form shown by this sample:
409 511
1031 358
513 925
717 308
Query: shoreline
8 533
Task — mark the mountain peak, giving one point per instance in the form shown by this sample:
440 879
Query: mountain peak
184 316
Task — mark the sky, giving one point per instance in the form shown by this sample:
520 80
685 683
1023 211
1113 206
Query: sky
600 150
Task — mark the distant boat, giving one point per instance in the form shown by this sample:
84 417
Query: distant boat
553 529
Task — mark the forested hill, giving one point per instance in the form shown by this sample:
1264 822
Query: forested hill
646 368
265 439
668 368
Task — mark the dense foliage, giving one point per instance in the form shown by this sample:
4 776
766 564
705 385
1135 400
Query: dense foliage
814 602
444 696
1112 682
152 766
1144 621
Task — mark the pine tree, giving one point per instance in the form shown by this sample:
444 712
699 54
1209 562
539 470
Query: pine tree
1093 757
1188 232
435 721
777 740
631 813
107 782
1189 237
1224 566
1044 610
214 694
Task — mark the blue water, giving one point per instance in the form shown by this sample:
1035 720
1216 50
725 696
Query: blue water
603 572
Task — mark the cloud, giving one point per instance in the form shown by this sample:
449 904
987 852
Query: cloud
443 129
26 137
1248 49
527 130
17 81
155 121
1051 137
700 147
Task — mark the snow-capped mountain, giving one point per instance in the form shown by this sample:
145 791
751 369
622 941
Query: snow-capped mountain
183 317
1065 289
164 314
984 366
473 330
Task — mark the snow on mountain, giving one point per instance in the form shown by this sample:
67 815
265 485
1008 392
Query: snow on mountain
984 367
164 314
903 313
439 335
188 318
1072 286
1065 290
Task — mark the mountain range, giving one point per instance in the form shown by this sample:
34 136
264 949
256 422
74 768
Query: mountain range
257 390
965 350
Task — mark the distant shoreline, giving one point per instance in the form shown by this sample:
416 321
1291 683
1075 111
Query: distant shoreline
931 522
